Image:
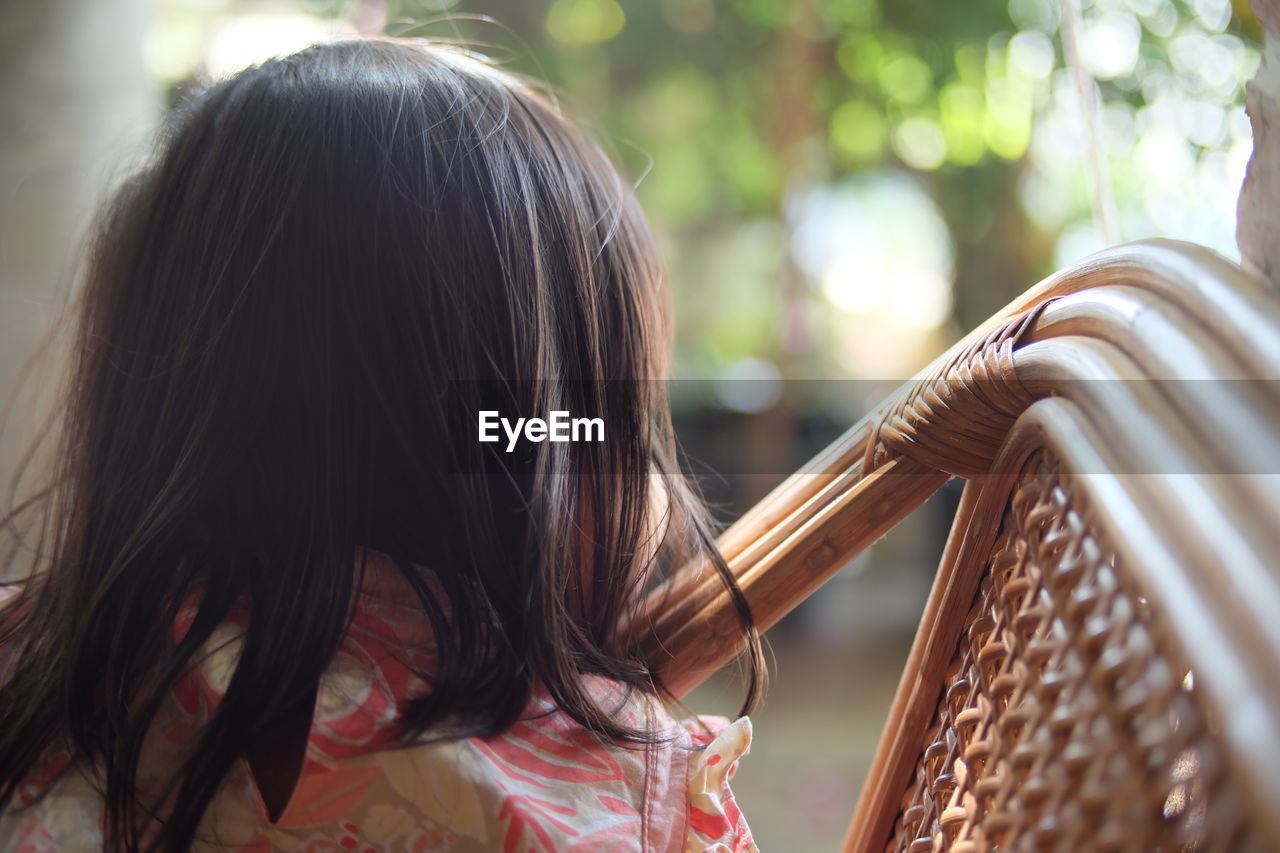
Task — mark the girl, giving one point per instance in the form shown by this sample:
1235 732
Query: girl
283 597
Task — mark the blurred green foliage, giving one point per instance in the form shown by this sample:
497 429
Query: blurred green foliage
726 108
728 112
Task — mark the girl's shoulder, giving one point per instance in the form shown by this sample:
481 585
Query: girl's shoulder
546 784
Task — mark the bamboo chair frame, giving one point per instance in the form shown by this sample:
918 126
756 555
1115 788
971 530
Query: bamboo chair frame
1051 413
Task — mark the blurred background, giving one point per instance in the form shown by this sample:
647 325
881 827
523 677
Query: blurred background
842 188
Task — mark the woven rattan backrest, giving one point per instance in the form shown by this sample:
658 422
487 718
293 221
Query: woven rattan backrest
1068 717
1098 664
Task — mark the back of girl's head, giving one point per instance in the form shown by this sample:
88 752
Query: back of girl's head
290 323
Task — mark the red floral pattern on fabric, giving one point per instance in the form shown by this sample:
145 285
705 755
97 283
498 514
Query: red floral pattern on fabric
544 786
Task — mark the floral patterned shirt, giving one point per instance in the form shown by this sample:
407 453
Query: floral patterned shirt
544 785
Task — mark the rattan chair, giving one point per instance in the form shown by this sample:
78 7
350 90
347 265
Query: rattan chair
1098 664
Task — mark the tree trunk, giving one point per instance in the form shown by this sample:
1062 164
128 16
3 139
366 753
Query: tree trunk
1258 215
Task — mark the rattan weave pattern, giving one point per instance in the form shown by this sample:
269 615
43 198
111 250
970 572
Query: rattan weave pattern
955 417
1067 722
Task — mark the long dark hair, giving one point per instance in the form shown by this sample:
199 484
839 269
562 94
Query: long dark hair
289 323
